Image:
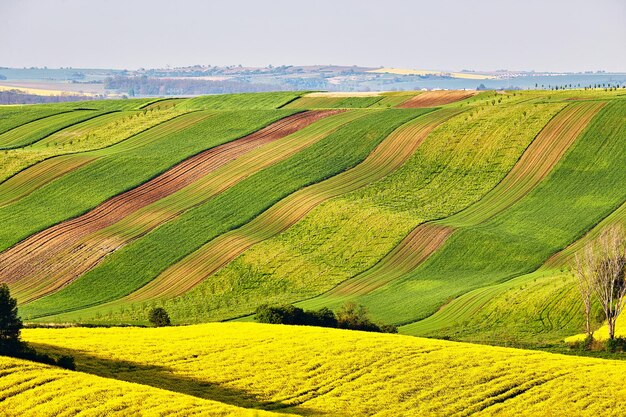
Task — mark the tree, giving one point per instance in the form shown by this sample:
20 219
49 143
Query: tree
609 283
159 317
281 314
583 271
323 317
10 323
355 316
603 264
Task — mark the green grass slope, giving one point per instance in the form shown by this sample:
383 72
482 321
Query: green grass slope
145 258
583 189
243 101
32 132
12 117
126 165
454 166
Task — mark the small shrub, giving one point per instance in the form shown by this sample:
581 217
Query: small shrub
282 314
159 317
355 316
617 344
323 317
388 328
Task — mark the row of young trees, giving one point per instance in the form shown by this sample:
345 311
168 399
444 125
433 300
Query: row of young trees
600 270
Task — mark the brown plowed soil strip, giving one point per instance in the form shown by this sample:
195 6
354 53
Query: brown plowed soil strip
436 98
27 256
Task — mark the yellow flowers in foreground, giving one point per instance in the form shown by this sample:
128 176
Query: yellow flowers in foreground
32 389
315 371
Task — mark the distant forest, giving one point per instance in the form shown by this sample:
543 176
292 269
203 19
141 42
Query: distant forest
18 97
146 86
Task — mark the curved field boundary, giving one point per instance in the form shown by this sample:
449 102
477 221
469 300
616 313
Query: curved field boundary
126 165
32 132
535 164
579 192
96 133
538 306
27 259
315 102
385 158
144 259
564 257
162 103
12 117
241 101
412 251
394 99
27 181
93 247
436 98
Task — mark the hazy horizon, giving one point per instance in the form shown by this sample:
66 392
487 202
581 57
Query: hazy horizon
561 36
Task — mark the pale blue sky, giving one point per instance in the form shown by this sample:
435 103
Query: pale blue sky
544 35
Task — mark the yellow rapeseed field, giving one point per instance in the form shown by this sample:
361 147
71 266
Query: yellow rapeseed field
32 389
602 333
317 371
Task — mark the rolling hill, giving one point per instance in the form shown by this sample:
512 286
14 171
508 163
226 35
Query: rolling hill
230 368
404 202
450 214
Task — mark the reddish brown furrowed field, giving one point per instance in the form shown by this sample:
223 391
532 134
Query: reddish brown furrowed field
436 98
29 260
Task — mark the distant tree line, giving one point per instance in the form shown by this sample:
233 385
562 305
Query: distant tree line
148 86
18 97
350 316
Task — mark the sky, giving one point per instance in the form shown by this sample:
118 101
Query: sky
541 35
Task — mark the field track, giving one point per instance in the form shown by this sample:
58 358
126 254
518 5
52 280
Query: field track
436 98
29 256
387 157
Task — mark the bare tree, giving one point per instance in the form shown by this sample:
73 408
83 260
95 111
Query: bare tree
602 268
584 271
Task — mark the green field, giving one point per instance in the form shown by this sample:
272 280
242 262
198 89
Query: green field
403 210
457 221
156 149
239 204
